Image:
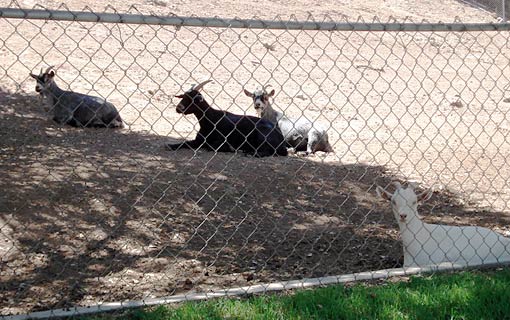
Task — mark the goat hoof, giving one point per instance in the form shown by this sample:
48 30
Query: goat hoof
302 153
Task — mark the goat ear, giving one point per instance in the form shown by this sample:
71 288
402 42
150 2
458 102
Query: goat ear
383 193
271 93
425 195
34 76
180 96
248 93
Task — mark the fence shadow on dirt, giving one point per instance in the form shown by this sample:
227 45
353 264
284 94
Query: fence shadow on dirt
90 215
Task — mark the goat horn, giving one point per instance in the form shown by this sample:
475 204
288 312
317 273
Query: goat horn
41 72
397 184
201 85
49 68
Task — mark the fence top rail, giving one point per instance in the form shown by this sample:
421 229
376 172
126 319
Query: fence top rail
84 16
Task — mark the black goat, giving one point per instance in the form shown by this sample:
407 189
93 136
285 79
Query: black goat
223 131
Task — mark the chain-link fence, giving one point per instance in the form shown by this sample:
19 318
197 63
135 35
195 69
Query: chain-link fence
499 7
98 215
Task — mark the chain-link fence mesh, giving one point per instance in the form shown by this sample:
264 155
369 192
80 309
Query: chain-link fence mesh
499 7
95 215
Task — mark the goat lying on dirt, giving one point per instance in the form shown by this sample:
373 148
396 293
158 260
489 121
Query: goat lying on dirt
76 109
300 134
227 132
432 244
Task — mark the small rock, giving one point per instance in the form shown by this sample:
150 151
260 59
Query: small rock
457 104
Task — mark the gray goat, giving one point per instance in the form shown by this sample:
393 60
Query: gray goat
300 134
76 109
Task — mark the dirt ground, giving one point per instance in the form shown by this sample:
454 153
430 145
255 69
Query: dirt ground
89 216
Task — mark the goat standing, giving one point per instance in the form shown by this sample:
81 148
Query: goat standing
300 134
227 132
433 244
76 109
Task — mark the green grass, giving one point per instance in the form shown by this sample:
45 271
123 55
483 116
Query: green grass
464 295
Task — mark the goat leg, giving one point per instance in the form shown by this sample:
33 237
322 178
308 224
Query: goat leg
191 144
219 146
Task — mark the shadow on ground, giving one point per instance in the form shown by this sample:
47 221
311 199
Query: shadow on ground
91 215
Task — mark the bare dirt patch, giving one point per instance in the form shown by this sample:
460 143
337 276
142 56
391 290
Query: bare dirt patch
100 215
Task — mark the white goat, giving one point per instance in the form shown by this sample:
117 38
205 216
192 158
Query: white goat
300 134
434 244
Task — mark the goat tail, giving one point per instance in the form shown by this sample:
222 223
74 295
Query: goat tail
329 148
327 145
117 122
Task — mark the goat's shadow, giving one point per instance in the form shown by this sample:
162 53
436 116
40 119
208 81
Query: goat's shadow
91 215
